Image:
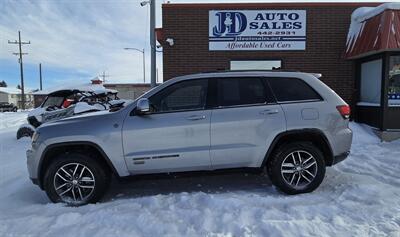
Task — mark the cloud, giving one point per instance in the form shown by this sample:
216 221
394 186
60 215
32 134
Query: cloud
83 36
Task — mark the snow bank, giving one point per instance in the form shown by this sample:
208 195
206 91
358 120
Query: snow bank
359 197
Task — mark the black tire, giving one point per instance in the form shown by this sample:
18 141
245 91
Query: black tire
24 132
101 175
15 109
283 180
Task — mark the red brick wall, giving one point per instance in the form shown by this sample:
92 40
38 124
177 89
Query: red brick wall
327 26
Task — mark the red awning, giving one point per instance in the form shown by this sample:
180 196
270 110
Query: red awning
374 30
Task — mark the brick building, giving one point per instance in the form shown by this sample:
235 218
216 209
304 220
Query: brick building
314 34
128 90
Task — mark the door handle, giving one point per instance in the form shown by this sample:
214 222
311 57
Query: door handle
269 111
196 117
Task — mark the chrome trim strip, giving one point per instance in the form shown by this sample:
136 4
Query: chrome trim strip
164 156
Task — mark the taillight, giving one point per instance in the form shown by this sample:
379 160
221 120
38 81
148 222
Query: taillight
344 110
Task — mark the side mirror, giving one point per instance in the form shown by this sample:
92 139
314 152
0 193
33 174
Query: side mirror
143 106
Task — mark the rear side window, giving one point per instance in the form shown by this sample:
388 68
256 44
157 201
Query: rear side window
292 89
240 91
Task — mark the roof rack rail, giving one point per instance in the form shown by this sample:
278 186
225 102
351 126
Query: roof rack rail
317 75
251 70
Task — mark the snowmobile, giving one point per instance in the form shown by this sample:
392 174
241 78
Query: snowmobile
66 103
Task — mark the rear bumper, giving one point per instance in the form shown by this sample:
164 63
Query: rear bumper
341 157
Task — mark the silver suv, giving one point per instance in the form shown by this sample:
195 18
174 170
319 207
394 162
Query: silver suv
289 123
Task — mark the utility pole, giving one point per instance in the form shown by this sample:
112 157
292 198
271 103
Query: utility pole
153 41
104 75
20 43
40 76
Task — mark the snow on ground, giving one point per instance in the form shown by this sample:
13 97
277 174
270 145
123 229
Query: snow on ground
359 197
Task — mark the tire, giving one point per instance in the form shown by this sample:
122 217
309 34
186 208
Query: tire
15 109
24 132
290 176
93 175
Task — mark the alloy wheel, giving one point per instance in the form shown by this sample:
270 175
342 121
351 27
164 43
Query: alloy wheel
74 183
299 169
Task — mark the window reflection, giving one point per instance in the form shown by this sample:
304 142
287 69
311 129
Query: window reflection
394 81
256 65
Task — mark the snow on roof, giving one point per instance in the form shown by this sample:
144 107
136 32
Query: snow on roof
364 13
86 87
358 21
10 90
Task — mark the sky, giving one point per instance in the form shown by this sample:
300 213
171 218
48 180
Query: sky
76 40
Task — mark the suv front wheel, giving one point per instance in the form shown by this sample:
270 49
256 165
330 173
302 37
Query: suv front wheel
76 179
297 168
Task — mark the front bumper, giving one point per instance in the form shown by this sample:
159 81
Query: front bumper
35 181
340 158
33 156
30 162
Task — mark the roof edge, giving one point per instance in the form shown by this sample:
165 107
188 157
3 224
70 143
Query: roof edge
269 4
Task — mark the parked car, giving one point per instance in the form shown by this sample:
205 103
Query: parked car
8 107
66 103
289 123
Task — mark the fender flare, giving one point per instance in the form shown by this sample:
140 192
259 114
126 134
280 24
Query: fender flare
74 143
281 135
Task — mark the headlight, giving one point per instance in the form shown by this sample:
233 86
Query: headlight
35 137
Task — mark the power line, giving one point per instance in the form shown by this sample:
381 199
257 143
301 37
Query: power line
104 75
20 43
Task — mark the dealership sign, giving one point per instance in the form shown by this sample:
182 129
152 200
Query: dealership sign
257 30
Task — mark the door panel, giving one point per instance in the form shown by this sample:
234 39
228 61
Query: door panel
240 136
167 142
175 136
244 122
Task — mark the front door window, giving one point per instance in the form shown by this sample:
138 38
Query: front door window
182 96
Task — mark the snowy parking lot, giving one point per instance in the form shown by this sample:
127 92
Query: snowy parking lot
359 197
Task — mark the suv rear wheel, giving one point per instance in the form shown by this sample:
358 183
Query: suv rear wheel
297 168
76 179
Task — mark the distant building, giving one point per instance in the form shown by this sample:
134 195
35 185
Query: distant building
38 98
13 95
128 90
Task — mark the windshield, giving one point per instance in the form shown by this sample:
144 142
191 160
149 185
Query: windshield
53 101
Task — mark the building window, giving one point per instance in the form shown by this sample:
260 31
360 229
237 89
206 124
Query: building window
394 81
371 78
255 64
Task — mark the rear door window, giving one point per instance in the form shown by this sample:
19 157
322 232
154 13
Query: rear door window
240 91
292 90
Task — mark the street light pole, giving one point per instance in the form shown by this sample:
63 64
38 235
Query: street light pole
40 76
144 61
144 67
